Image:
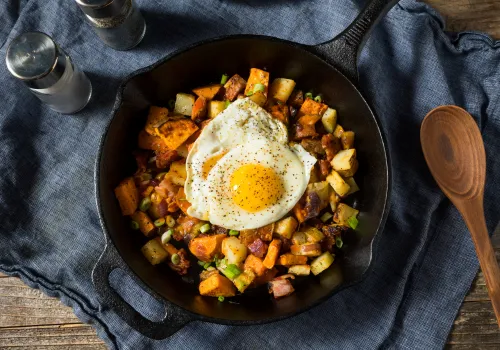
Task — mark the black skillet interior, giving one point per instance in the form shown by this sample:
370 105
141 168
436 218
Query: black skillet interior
200 65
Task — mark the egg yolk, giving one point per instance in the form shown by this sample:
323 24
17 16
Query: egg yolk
255 187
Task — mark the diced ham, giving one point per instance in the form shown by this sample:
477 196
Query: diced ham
182 267
258 248
280 287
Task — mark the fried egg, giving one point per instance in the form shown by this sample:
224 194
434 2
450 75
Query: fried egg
241 172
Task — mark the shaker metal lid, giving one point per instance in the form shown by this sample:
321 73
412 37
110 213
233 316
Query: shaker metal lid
36 59
101 8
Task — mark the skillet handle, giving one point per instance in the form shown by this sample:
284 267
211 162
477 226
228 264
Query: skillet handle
342 51
175 318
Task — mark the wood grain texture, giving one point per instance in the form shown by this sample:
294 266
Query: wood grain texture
32 320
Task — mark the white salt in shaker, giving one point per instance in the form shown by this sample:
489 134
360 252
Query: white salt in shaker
118 23
39 62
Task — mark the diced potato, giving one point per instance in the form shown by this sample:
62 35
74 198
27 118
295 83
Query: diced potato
334 200
272 253
215 107
233 87
184 104
208 91
343 213
349 172
286 227
217 286
281 89
156 117
299 238
128 196
255 264
177 173
322 190
344 160
339 130
312 107
329 120
205 248
234 250
154 252
309 249
353 186
199 111
300 270
313 235
244 280
145 223
257 76
175 131
322 262
347 139
181 201
338 184
290 259
259 98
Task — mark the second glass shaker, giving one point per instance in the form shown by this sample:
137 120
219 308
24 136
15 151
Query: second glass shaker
118 23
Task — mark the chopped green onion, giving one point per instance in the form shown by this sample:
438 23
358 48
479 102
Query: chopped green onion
134 225
224 78
227 103
206 265
171 104
160 176
259 88
353 222
221 298
159 222
170 221
249 93
318 99
309 95
326 216
231 271
176 259
201 263
145 204
210 268
166 236
338 242
234 233
205 228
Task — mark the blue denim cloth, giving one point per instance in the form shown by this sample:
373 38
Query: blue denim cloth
50 234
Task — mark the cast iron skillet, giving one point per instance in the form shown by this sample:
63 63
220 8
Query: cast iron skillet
329 68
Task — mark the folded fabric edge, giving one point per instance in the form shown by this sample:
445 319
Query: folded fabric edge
459 40
57 291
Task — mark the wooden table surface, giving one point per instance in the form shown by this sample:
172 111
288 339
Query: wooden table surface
29 319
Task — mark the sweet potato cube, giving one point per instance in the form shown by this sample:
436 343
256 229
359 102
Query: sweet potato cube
272 253
266 277
312 107
257 76
175 131
145 223
156 117
181 201
255 264
290 259
308 119
128 196
234 87
199 111
280 112
205 248
151 142
217 286
208 91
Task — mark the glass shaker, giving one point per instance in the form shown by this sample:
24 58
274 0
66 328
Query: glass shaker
39 62
118 23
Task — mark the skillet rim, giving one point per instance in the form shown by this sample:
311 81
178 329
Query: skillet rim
306 49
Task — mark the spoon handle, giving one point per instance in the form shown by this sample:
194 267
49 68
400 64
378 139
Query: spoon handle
473 214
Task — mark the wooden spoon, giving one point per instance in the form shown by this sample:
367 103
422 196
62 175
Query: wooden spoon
454 151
